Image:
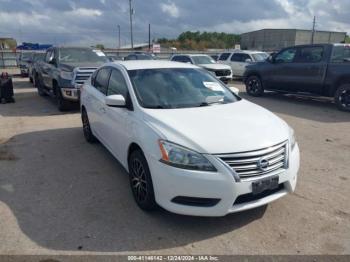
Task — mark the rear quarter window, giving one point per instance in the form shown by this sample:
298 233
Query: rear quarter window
341 54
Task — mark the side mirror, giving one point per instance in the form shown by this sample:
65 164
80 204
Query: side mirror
248 60
52 61
234 90
115 101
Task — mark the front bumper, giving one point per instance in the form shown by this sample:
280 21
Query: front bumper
170 182
72 93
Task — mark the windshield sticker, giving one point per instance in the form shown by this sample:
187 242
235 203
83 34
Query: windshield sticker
99 53
213 86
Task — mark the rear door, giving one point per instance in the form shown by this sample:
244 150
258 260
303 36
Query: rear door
310 69
97 102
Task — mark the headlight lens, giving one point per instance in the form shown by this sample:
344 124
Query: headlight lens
181 157
292 138
66 75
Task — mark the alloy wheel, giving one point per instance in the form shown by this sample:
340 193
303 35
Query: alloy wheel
138 180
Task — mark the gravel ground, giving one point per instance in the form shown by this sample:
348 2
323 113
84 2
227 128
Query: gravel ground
60 195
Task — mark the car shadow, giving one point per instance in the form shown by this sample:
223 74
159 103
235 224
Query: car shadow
321 109
67 194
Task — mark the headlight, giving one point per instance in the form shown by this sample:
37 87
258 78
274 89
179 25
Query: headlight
181 157
66 75
292 138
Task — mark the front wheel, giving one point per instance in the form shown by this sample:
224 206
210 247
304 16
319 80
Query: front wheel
89 136
141 181
62 104
254 86
342 97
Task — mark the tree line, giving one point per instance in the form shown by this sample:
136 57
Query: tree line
201 40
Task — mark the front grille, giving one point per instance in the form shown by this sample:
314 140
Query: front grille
258 162
223 72
81 74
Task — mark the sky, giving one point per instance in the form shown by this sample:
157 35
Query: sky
90 22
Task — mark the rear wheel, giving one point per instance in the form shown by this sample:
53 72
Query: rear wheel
141 181
89 136
342 97
254 86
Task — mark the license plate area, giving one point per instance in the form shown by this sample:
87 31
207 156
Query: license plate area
262 185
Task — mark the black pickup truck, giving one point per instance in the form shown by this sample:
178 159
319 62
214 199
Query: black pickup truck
321 69
64 70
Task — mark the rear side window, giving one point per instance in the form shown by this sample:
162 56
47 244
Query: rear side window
224 56
236 57
310 54
117 84
341 54
101 80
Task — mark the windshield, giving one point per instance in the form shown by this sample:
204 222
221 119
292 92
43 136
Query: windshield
178 88
78 55
198 60
260 56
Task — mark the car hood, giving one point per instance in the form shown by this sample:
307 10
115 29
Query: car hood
71 66
215 66
234 127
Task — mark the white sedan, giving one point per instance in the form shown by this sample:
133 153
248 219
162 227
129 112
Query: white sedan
189 144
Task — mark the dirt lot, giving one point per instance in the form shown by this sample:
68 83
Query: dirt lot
60 195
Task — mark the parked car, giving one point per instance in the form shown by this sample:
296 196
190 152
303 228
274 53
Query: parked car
190 145
239 60
23 60
114 57
222 72
215 57
322 69
64 70
32 64
139 56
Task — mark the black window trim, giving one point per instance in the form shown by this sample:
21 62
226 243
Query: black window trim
109 75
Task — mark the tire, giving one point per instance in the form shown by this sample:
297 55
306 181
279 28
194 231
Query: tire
141 181
89 136
62 104
342 98
40 86
254 86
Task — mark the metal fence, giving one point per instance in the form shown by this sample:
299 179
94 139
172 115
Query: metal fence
10 58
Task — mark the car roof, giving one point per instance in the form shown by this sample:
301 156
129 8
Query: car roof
151 64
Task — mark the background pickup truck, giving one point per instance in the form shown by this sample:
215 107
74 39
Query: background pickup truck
322 69
64 70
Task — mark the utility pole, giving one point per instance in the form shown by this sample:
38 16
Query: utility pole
131 36
149 37
313 30
118 36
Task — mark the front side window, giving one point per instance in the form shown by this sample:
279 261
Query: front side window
341 54
178 88
310 54
117 84
286 56
101 80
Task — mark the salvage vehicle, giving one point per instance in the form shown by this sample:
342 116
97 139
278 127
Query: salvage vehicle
239 60
32 63
23 62
222 72
322 69
189 144
63 72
